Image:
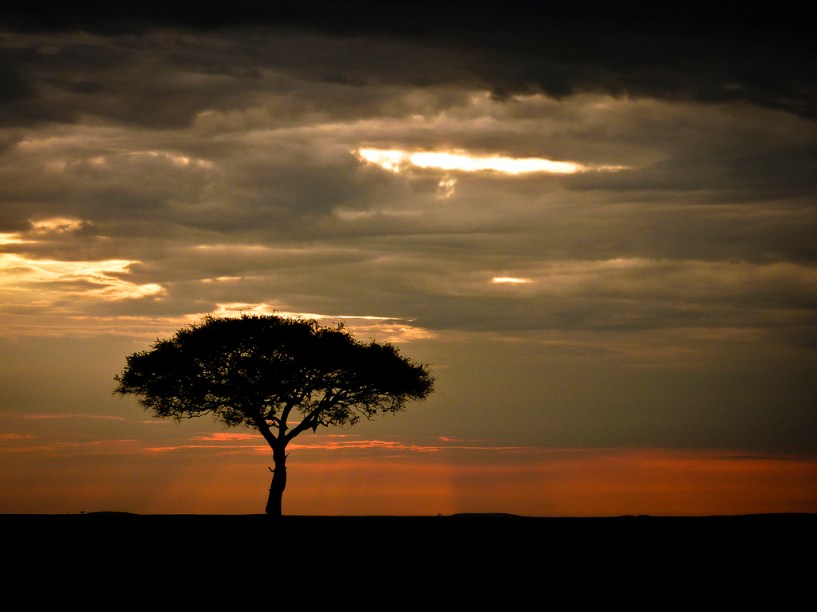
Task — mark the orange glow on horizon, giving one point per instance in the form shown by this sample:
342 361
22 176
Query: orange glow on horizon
400 482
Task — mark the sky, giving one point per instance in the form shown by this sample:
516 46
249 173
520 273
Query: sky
596 227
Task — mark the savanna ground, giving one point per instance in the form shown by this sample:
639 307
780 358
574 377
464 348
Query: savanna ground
123 521
473 558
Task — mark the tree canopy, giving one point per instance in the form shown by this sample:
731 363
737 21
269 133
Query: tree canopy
279 375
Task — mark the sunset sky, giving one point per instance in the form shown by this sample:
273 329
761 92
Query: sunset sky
597 227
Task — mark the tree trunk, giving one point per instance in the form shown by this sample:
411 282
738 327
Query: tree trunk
279 483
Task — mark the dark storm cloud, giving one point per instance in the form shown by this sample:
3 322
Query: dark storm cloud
706 52
165 79
124 79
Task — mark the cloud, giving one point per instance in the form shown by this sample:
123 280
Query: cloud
227 437
395 159
287 216
675 52
13 437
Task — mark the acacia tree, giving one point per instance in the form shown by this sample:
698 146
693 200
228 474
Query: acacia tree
279 375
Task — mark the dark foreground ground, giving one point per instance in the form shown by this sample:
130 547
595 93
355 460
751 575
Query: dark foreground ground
96 522
476 556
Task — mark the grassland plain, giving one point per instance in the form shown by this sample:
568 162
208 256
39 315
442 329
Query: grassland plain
124 521
489 525
467 559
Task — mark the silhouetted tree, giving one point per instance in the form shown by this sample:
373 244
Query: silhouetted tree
261 372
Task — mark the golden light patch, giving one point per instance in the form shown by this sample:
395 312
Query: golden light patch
10 238
174 158
389 159
388 329
463 162
50 225
445 188
58 225
95 279
399 160
510 280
